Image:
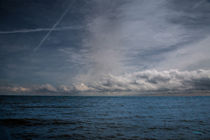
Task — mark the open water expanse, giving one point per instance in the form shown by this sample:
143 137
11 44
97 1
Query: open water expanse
38 117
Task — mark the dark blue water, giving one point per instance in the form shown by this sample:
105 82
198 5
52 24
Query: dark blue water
104 117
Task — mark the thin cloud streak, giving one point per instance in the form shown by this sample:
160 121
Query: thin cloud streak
40 30
54 26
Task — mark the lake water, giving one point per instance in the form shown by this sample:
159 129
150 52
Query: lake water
37 117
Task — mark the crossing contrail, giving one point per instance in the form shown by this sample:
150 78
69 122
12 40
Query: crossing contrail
40 30
53 27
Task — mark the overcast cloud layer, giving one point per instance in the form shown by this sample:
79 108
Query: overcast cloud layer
105 47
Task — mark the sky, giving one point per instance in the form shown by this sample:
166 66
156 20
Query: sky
104 47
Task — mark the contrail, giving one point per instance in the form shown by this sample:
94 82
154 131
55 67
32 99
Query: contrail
39 30
53 27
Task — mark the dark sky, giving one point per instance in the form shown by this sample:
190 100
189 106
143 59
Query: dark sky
65 46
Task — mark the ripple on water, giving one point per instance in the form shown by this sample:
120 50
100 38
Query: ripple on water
36 122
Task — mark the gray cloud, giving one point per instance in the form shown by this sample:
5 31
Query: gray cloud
134 83
132 36
117 48
189 57
153 80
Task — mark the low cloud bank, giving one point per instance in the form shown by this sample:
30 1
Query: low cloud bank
137 82
153 80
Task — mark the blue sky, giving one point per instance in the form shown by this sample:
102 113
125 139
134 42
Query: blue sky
104 46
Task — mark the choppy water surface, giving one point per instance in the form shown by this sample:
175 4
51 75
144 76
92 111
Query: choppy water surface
104 117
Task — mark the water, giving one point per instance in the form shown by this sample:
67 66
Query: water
104 117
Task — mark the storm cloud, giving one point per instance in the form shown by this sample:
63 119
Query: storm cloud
101 46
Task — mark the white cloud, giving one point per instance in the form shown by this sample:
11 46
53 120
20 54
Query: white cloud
137 82
153 80
82 87
45 88
126 37
64 88
14 89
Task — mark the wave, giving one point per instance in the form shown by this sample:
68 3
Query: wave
43 106
36 122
